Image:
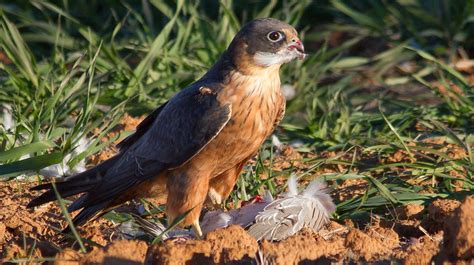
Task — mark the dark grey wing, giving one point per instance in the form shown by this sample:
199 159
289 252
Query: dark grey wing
187 123
183 128
142 128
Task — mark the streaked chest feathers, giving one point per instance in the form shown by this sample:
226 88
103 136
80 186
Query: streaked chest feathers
256 102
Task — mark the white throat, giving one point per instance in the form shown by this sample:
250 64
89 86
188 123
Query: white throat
268 59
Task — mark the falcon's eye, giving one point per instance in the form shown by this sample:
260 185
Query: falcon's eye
275 36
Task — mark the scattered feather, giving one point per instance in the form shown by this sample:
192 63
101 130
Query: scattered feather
284 217
288 91
7 117
62 169
212 220
277 143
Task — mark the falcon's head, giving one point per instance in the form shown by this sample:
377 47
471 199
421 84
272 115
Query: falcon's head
266 42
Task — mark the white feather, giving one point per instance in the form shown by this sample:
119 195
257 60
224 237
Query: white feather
267 197
314 188
292 186
268 58
277 143
62 168
7 121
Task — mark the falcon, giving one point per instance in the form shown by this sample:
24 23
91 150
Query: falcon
191 149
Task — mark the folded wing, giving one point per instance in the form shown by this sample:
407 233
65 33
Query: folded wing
172 135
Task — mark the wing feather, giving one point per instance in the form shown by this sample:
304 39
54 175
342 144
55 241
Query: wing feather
286 216
142 128
179 130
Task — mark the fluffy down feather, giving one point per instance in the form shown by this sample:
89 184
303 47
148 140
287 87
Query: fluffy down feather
284 217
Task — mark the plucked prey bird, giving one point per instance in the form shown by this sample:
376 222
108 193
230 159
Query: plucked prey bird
284 217
269 219
212 220
193 147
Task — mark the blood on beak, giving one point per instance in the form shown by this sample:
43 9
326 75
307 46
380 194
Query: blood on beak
297 46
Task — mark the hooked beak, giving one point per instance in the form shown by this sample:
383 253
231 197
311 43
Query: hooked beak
296 46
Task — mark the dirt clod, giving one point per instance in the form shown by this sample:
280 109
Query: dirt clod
67 257
118 252
375 243
409 211
3 229
304 246
422 251
458 235
439 211
221 246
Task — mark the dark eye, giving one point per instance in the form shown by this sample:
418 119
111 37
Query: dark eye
275 36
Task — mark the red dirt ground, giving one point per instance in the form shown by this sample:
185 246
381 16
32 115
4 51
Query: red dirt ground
439 232
28 233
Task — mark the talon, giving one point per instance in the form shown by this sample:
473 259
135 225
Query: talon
197 229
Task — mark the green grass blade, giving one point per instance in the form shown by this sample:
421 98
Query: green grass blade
158 43
395 132
68 218
17 152
31 164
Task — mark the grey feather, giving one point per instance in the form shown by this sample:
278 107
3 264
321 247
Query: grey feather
213 220
284 217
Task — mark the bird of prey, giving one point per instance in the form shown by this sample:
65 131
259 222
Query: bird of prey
284 217
193 147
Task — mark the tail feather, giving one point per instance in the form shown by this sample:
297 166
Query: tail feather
45 186
87 214
64 191
78 204
68 184
80 183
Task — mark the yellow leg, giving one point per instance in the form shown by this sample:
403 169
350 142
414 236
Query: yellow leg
197 229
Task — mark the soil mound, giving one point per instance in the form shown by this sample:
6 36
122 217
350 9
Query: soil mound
223 246
458 232
439 211
303 247
117 252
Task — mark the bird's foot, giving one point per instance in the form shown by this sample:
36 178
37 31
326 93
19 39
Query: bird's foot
197 229
214 199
